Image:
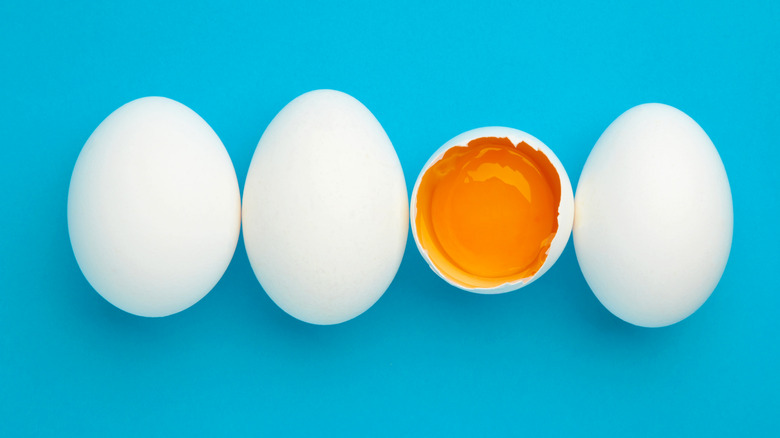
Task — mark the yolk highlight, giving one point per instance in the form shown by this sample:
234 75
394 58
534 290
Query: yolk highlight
487 212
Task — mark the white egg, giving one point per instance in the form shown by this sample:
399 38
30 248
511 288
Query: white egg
492 210
325 209
154 209
653 216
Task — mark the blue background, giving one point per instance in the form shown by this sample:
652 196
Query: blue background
427 357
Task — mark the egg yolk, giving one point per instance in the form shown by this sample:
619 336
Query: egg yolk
487 212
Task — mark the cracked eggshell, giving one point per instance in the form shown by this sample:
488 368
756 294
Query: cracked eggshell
565 208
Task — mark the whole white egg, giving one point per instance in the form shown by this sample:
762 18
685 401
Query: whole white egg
154 209
653 216
325 209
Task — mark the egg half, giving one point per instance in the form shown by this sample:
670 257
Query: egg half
492 210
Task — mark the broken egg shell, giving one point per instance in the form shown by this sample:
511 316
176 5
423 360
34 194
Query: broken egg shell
565 208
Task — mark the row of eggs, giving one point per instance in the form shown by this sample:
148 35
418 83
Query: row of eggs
155 212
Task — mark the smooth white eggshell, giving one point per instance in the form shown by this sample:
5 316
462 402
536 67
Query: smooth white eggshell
653 216
565 208
154 210
325 208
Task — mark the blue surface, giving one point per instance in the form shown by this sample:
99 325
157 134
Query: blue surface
427 357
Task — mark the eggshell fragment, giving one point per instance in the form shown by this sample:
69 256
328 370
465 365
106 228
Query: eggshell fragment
653 216
325 209
154 210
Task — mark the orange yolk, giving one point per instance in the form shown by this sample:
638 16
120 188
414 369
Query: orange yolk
487 212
